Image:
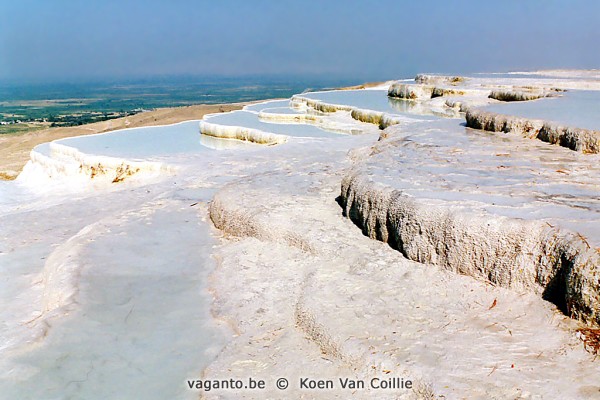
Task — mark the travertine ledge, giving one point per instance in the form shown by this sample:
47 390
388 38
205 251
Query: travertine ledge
424 78
68 162
583 140
525 255
407 91
241 133
381 119
519 95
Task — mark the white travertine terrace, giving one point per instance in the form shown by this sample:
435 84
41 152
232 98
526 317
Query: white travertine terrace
417 91
241 133
318 105
520 95
485 259
578 139
68 162
291 118
474 94
439 79
381 119
330 278
330 123
466 203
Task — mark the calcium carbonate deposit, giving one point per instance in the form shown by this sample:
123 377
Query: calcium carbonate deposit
427 239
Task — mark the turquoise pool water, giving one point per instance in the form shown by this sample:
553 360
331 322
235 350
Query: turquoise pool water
250 120
376 100
281 110
141 142
267 104
575 108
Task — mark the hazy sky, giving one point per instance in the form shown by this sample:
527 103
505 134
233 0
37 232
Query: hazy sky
72 40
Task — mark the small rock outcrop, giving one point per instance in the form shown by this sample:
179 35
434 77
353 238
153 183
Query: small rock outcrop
409 91
518 95
439 79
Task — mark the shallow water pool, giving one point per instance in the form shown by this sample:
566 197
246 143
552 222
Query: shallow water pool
141 142
250 120
576 108
267 104
376 100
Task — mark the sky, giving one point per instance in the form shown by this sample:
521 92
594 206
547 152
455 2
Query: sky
68 40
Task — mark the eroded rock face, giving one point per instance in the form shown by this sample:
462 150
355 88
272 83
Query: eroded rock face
583 140
408 91
526 255
437 79
502 209
442 91
516 95
382 120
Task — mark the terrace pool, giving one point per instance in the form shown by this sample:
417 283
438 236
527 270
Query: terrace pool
576 108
